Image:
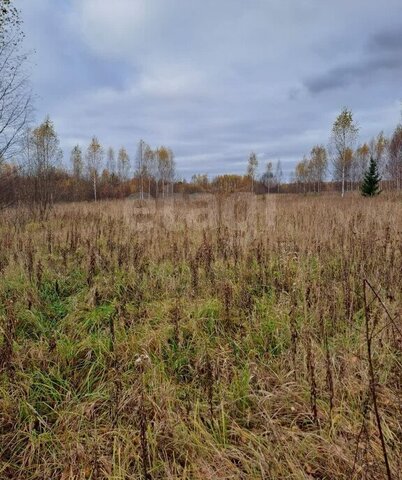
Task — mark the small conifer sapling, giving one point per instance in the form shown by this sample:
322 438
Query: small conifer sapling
371 182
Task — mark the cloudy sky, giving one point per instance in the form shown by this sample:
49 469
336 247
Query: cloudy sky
215 79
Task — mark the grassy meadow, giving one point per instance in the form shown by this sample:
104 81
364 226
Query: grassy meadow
235 337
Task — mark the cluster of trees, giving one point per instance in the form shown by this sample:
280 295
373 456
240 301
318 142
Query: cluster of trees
270 181
272 178
311 171
156 171
228 183
350 164
40 177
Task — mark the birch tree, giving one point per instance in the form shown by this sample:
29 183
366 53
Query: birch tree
149 165
361 160
163 157
94 158
378 149
343 137
252 169
268 176
278 174
319 164
111 161
77 162
77 169
171 170
15 93
123 164
140 166
43 158
302 173
394 164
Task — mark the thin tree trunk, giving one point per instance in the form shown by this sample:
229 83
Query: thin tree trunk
95 188
343 181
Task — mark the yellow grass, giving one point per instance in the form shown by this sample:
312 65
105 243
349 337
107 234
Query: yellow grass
207 338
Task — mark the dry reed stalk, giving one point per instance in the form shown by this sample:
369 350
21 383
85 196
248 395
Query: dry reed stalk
6 350
312 379
369 338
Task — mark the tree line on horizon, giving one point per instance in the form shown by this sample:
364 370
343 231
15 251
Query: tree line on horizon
39 176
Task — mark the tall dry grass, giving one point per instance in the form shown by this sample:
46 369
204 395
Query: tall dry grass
232 338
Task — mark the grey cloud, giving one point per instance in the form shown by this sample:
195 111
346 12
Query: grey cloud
213 80
342 76
382 54
387 41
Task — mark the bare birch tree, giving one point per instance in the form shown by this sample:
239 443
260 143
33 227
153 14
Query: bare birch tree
15 93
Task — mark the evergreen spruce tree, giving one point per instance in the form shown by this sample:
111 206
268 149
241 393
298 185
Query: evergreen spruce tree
371 182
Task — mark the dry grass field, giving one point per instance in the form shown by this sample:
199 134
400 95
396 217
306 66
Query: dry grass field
208 338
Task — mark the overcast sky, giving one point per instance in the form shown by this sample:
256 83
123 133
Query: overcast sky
215 79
